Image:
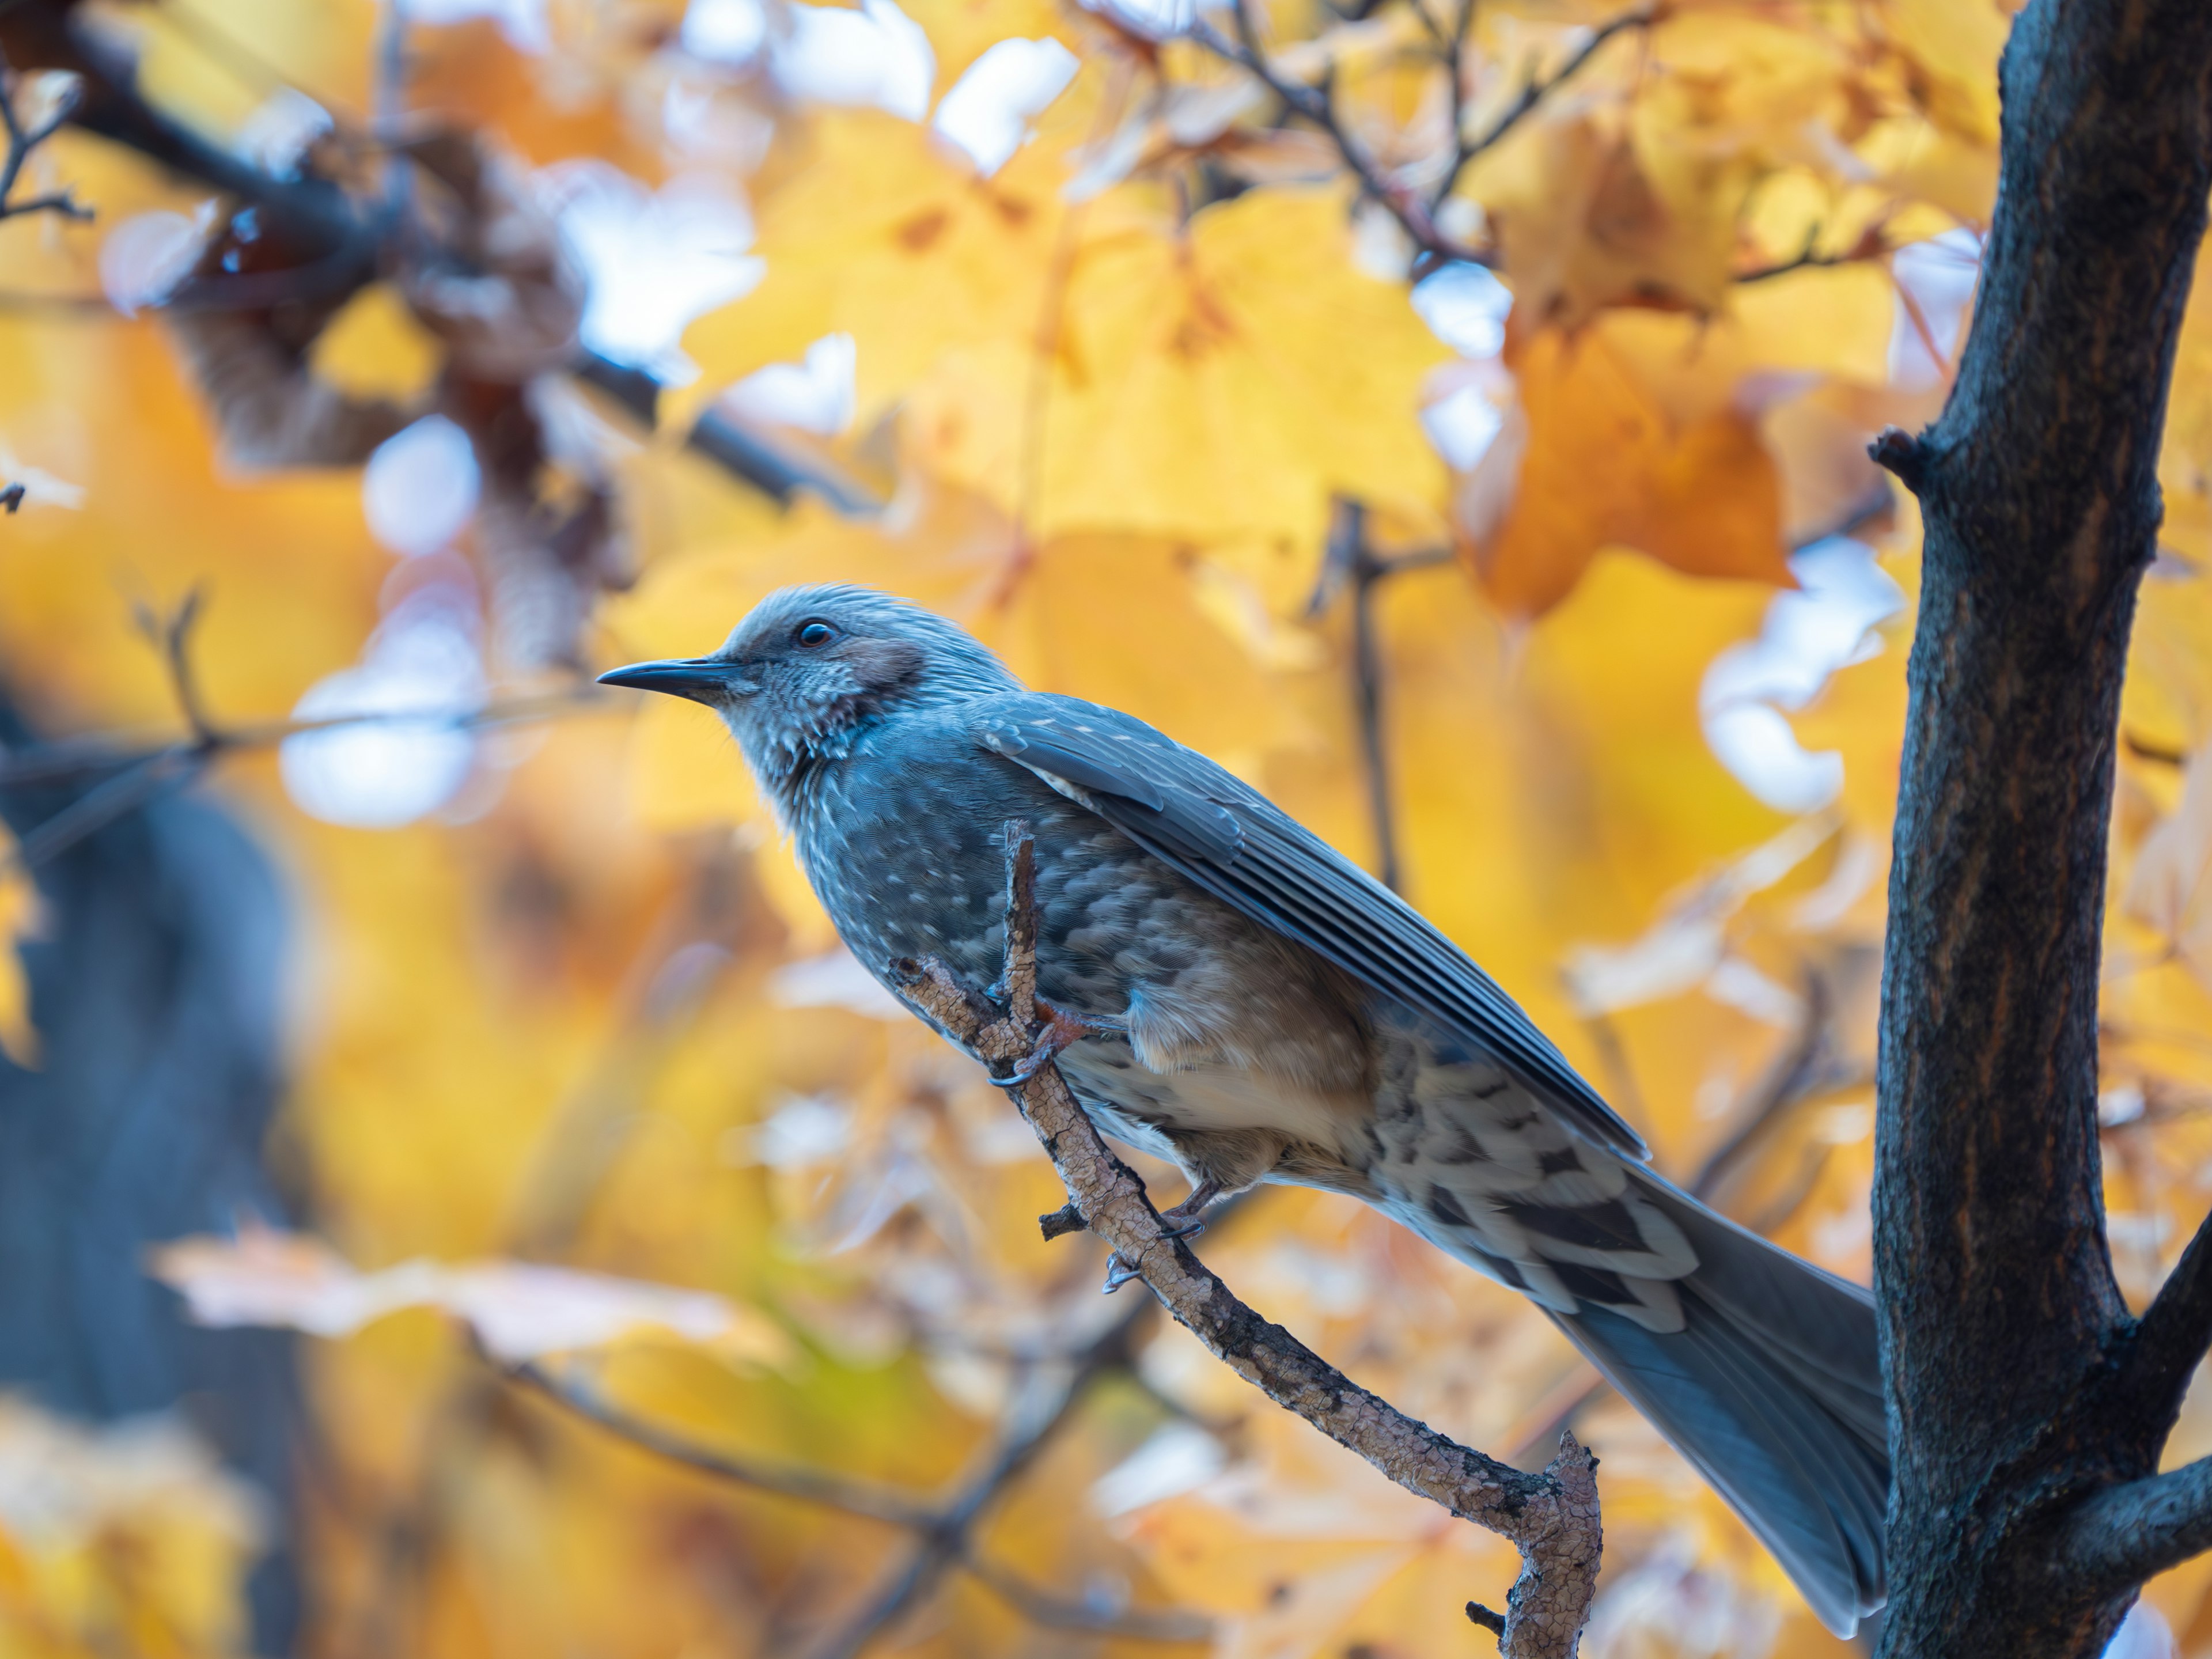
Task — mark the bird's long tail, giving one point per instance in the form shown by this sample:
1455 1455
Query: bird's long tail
1772 1389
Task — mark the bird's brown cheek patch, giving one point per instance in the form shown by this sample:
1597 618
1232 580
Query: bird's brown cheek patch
882 665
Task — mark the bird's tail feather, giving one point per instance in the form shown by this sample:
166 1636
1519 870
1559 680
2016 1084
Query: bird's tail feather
1772 1389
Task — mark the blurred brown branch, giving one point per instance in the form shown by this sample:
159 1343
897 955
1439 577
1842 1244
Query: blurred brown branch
946 1529
1349 562
1551 1517
137 776
1317 106
1534 91
22 139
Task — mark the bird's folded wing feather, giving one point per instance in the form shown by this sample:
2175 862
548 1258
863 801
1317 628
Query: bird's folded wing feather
1233 842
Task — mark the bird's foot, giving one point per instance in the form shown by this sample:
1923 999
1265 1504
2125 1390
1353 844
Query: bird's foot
1183 1221
1061 1029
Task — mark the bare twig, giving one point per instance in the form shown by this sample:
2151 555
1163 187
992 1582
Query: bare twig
21 141
863 1498
101 805
1053 1613
137 776
945 1545
1537 89
1349 562
945 1529
1317 106
1551 1517
1451 51
786 1480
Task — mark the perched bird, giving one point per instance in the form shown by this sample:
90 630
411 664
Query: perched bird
1238 998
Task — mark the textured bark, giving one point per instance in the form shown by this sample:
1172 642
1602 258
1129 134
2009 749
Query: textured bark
2006 1343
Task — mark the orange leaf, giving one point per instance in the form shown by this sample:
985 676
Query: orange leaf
1600 464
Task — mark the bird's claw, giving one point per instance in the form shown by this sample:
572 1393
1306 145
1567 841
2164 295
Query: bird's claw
1118 1273
1061 1029
1183 1219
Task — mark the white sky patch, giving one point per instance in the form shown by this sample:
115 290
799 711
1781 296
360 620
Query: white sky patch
1807 636
143 258
726 32
653 262
380 773
1153 19
277 135
834 979
876 55
419 490
1180 1458
815 395
805 1131
523 21
988 110
1936 277
2143 1634
1463 426
1464 306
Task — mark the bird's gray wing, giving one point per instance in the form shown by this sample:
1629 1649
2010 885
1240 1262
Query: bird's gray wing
1235 844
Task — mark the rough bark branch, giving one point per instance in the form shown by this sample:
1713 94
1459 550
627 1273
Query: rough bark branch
2175 1330
1551 1517
2004 1337
2125 1534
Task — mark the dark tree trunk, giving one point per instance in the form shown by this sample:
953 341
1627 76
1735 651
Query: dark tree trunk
2015 1388
154 991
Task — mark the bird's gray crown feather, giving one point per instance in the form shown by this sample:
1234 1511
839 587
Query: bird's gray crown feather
813 667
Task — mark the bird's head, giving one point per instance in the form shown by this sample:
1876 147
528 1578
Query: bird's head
810 666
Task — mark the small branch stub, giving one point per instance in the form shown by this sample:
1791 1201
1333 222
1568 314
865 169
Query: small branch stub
1899 452
1551 1517
1061 1222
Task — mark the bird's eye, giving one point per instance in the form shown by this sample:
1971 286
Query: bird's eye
813 633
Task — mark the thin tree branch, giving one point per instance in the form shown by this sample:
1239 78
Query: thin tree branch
1317 106
1348 561
945 1529
946 1543
11 497
2173 1334
1551 1517
21 141
93 811
1054 1612
137 778
1539 87
2127 1533
858 1498
1452 51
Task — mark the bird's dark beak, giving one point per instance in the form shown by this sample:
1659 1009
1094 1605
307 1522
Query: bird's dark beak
702 679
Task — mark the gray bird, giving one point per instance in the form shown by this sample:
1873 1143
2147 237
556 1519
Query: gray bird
1254 1007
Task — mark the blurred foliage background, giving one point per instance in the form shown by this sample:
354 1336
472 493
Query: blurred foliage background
1450 417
